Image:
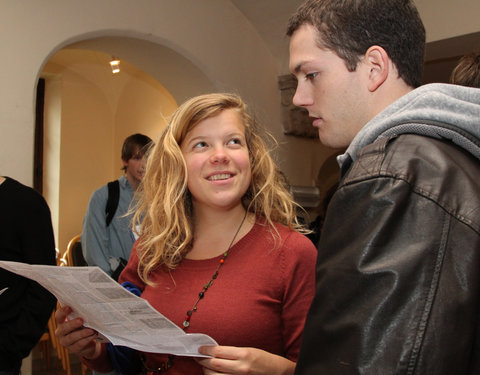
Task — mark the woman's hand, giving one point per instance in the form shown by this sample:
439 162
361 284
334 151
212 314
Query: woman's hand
234 360
74 336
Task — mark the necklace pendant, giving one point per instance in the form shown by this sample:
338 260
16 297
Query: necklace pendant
186 323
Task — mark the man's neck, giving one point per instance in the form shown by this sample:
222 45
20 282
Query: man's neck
391 91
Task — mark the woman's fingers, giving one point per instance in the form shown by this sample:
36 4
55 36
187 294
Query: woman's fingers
237 360
73 335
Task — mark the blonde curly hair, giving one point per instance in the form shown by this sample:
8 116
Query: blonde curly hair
163 209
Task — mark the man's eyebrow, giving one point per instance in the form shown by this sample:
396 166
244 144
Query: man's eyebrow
298 67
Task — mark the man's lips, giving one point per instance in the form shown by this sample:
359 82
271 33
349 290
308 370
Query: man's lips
317 121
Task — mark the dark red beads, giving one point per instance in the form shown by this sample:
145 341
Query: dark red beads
186 322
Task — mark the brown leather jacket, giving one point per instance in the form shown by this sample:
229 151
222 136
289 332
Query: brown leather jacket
398 270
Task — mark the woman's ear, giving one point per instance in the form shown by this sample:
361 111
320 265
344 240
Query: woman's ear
378 63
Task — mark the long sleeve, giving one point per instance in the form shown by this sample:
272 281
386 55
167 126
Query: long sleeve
397 274
96 243
298 268
100 243
26 306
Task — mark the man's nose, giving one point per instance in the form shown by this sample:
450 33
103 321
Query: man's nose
301 98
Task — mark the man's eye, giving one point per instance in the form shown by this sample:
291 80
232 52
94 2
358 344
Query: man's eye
311 76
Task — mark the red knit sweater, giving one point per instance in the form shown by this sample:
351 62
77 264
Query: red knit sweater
260 298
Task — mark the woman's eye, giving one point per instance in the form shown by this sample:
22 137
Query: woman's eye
199 145
235 141
311 76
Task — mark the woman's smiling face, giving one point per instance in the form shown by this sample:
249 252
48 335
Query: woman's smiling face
218 163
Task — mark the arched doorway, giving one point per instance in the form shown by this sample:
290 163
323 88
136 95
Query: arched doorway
88 112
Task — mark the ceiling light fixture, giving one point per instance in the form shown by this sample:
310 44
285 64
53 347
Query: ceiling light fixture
115 65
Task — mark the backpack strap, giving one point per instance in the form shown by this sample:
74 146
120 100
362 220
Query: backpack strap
112 201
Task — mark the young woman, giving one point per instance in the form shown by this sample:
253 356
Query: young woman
219 252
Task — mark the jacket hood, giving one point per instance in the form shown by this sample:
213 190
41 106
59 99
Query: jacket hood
435 110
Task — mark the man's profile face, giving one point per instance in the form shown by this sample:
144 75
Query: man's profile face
333 96
135 167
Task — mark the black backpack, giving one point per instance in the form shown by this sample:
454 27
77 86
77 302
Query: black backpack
110 209
112 200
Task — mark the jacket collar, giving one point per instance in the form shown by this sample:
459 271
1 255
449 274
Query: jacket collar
435 110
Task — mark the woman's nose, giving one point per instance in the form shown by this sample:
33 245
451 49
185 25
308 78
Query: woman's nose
219 155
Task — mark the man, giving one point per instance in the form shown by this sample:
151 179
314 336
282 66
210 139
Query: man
107 244
398 271
25 306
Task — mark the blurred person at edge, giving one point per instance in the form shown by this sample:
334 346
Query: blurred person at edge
467 71
25 306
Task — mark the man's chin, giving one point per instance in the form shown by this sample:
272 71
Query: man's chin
324 139
329 142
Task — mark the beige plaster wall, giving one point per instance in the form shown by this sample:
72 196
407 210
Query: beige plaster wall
449 18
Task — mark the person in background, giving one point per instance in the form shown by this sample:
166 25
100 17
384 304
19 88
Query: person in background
467 71
25 306
398 272
106 237
219 252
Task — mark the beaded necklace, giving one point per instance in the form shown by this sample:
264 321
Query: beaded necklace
186 323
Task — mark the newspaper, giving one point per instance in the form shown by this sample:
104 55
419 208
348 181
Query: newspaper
119 316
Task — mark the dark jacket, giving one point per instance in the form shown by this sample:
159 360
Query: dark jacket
25 306
398 271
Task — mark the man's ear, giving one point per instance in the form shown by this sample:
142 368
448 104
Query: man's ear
378 63
124 162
